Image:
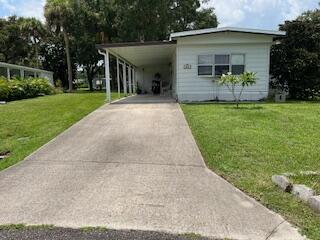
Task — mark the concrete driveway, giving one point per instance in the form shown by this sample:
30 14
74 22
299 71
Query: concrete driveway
132 165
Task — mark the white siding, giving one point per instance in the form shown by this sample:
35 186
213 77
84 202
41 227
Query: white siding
191 87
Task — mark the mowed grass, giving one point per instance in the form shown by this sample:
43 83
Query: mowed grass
249 145
28 124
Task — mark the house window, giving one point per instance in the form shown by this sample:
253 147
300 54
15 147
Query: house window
237 64
216 65
205 65
222 64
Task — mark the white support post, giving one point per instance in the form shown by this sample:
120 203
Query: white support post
8 73
22 74
124 73
107 75
130 79
118 77
134 80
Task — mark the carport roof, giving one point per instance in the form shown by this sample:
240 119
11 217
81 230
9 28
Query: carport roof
142 54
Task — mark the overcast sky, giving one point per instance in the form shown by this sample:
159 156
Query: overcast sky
264 14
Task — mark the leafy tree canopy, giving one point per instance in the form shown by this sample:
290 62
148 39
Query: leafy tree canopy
295 62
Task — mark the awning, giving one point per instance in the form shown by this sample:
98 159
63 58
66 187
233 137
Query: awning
141 54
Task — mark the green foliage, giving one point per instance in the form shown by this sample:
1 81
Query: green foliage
4 89
147 20
18 40
60 18
24 88
237 83
295 61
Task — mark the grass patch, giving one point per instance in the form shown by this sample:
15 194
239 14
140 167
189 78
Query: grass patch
94 229
26 125
249 145
192 236
24 227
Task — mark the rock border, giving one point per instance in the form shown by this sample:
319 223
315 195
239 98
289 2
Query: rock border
301 191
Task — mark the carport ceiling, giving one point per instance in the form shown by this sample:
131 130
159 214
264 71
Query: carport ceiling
143 54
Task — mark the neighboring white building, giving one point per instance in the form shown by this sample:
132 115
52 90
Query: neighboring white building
10 71
191 62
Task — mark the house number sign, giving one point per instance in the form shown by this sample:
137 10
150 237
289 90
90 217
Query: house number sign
187 66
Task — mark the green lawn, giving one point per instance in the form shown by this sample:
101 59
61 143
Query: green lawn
28 124
248 145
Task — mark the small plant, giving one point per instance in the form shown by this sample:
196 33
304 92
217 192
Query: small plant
233 82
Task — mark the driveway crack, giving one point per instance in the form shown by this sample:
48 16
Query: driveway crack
274 230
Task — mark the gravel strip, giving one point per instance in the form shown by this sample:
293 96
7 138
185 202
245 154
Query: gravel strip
91 234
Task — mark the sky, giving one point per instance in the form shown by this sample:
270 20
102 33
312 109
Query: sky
261 14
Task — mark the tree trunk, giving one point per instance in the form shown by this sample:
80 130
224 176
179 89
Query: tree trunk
37 55
67 45
90 79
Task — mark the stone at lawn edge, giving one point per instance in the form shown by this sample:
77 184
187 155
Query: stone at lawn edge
283 182
314 203
302 191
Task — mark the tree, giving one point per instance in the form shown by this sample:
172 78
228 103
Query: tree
35 31
206 18
52 52
187 15
93 26
14 47
148 20
295 62
59 15
142 20
235 82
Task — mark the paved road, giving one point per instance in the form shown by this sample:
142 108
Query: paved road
132 165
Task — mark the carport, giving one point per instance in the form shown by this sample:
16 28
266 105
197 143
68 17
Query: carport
138 64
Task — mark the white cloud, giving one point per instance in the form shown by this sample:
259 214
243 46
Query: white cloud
259 13
25 8
5 4
230 12
32 8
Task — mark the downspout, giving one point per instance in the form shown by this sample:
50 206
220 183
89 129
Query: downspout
107 73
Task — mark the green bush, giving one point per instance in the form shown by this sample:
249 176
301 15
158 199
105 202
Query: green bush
4 90
24 88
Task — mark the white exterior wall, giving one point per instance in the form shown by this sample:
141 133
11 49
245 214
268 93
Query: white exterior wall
191 87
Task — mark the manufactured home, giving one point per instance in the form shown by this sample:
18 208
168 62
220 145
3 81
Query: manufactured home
188 65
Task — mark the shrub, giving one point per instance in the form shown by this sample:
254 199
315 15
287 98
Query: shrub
4 89
24 88
237 83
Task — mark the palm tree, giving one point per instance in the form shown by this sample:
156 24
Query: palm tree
36 31
59 15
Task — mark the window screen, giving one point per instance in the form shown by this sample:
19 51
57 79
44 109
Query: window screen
237 64
205 70
205 66
221 69
221 59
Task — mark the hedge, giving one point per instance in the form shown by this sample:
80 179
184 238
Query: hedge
17 89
